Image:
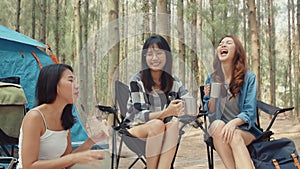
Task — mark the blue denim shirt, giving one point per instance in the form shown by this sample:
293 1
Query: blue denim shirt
246 101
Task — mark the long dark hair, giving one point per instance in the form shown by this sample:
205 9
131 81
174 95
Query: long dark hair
166 78
46 90
239 67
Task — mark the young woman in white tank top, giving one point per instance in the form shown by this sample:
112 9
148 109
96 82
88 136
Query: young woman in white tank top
45 140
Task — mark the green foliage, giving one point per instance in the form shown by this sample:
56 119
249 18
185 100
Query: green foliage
219 18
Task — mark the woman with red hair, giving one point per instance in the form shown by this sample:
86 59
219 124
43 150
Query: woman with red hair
233 121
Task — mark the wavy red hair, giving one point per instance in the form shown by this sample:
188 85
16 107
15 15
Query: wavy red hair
239 68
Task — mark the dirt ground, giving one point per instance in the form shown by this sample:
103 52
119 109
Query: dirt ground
192 151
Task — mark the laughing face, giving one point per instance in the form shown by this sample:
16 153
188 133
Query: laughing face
226 50
156 58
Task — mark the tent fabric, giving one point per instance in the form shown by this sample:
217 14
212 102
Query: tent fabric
17 59
78 132
14 36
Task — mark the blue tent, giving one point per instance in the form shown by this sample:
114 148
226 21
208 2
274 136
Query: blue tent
21 57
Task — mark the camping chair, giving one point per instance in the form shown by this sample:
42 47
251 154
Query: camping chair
119 127
273 111
8 162
12 111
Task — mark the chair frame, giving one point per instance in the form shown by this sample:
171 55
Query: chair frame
9 162
120 128
264 107
5 139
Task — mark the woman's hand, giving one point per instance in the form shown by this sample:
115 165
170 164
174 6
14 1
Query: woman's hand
174 108
207 89
212 101
89 156
228 131
100 136
97 129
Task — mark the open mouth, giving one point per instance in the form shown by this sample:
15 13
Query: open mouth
224 52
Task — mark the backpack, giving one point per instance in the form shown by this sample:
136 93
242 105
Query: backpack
274 154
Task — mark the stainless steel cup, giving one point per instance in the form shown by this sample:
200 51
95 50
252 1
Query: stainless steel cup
190 105
215 89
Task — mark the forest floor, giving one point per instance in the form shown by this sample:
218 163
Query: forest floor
192 151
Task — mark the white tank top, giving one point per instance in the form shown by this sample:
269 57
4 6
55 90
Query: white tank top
53 144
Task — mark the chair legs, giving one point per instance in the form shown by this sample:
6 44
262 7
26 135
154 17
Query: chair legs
114 151
119 153
210 156
181 132
118 156
140 157
136 160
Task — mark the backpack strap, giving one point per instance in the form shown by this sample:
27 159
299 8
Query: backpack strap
296 162
275 163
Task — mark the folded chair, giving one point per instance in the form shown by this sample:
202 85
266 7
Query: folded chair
136 145
12 111
271 110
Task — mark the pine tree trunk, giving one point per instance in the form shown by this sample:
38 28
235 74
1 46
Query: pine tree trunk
63 40
259 74
43 21
125 44
245 28
181 40
289 67
255 41
195 67
33 19
86 21
146 18
296 61
113 9
162 19
77 21
79 58
153 7
18 15
271 53
201 66
57 37
213 37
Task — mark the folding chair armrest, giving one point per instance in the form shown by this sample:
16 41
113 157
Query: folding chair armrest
282 110
108 109
271 110
266 135
202 113
8 162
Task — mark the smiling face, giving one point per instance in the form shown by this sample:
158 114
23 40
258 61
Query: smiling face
156 58
226 50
